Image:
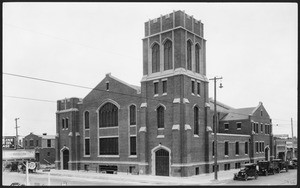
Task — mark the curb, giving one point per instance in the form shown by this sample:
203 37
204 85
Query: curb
144 179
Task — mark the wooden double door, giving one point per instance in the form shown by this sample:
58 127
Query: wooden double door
162 162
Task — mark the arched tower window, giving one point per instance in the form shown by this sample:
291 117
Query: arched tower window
132 115
155 58
108 115
86 120
168 55
196 120
160 117
63 123
197 58
189 54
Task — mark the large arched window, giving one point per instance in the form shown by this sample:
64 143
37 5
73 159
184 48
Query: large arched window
160 117
168 55
197 58
196 120
132 115
108 115
155 58
86 120
189 54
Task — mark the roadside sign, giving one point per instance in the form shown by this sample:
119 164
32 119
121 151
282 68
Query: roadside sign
8 142
31 165
18 154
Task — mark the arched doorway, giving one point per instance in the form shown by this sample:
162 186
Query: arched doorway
267 153
65 159
162 162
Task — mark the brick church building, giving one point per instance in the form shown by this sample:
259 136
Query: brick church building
162 127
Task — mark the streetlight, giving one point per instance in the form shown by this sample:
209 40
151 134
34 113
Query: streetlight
215 125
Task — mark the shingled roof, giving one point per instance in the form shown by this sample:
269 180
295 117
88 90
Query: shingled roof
240 113
231 113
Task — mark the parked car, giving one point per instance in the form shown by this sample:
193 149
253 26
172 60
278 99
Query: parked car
16 184
265 168
293 163
248 171
14 166
280 164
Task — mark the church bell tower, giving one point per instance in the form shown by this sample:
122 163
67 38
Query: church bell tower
174 91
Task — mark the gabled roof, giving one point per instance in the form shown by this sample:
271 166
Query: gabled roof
137 88
220 106
42 136
234 113
47 136
240 113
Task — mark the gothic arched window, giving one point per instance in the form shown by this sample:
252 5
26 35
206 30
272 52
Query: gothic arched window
160 117
108 115
196 120
189 55
197 58
86 120
168 55
155 58
132 115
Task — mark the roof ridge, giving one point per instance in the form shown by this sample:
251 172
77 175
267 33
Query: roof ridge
137 88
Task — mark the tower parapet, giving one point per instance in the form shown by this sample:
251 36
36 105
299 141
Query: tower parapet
174 45
174 20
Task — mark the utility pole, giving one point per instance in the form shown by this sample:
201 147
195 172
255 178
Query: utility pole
215 126
17 141
292 138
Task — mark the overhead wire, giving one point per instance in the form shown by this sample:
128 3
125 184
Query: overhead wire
97 89
42 100
79 86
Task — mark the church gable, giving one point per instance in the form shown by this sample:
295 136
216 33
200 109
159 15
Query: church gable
260 111
110 86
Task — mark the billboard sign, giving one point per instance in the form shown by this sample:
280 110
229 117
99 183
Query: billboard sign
18 154
281 135
8 142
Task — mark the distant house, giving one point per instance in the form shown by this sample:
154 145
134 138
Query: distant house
285 148
44 146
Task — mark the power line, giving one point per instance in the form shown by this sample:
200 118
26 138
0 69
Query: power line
79 86
73 85
42 100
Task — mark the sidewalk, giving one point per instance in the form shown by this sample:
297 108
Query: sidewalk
202 179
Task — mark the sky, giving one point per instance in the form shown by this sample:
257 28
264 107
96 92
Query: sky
252 46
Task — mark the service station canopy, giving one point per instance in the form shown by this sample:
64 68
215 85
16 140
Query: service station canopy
18 154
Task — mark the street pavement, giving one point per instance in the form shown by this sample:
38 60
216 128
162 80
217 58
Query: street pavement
66 177
203 179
